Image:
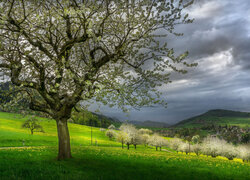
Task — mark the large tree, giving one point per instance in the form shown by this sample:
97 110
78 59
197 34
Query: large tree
61 52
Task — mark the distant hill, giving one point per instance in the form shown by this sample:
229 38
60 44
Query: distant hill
219 117
152 124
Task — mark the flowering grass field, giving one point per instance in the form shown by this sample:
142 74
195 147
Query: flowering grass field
105 161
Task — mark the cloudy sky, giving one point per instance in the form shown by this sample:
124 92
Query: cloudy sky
219 40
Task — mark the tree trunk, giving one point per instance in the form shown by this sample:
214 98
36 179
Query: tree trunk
31 131
156 148
122 145
64 151
160 148
135 146
128 146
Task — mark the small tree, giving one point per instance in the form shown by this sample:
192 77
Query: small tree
157 141
161 142
133 134
122 137
33 125
196 148
229 151
130 130
212 146
110 134
145 139
184 147
175 144
128 142
135 138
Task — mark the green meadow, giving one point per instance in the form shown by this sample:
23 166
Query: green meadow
24 156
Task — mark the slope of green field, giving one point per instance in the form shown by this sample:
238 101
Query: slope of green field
11 133
105 161
217 117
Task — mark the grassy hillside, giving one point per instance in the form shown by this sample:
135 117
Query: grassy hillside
105 161
217 117
11 133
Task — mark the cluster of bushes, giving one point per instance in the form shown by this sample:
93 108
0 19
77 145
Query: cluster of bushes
129 135
211 146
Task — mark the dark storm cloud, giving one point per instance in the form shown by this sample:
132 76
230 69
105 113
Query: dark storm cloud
225 25
219 40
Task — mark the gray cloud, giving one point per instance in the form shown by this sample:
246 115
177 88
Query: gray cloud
219 40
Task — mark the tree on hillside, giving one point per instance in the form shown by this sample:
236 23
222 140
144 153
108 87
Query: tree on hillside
122 137
157 141
196 148
145 136
145 139
213 146
33 125
133 136
58 53
229 151
185 147
175 144
110 133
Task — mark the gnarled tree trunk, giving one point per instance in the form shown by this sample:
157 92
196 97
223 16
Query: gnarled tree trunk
64 151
